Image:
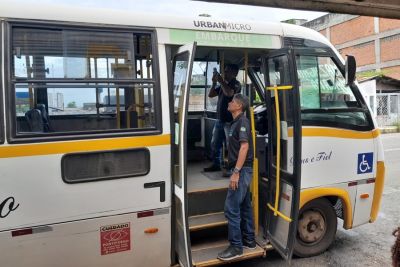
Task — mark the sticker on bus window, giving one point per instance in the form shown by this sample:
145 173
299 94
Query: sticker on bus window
115 238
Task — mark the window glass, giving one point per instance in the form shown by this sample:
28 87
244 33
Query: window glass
259 82
84 167
196 99
307 69
211 103
180 73
181 65
198 86
199 73
49 100
261 77
43 54
322 89
337 118
322 85
278 71
84 107
334 91
394 104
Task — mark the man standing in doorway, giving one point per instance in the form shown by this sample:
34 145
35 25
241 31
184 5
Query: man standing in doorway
228 86
238 210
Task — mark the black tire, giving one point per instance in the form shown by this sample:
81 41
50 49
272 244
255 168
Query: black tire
318 223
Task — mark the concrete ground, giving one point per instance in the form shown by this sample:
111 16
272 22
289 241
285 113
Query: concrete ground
367 245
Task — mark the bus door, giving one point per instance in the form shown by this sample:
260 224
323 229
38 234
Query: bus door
182 72
284 151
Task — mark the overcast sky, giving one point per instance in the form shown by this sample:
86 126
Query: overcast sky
193 8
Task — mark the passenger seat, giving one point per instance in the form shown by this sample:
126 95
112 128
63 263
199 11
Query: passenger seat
38 119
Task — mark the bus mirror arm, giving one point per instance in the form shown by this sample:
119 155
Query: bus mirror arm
350 69
161 185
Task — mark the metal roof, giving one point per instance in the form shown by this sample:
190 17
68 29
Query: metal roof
376 8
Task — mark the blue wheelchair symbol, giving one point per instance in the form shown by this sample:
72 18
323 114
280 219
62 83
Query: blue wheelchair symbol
365 163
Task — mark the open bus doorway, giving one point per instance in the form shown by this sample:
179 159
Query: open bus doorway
206 191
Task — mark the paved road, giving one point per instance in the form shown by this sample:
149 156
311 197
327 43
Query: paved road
367 245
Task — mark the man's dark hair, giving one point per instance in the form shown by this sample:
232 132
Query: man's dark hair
233 67
243 100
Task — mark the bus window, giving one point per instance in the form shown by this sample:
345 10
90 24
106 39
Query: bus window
211 103
82 81
198 86
324 97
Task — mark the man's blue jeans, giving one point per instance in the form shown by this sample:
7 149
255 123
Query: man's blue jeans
239 212
219 135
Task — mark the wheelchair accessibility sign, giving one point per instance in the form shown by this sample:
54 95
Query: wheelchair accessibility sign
365 163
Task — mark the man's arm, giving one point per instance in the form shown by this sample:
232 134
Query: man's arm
244 148
226 89
213 92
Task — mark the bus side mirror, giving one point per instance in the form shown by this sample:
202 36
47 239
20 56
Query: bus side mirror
350 69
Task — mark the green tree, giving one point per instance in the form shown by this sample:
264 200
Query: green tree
71 104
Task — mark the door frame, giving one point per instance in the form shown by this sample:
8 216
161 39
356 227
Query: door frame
295 177
180 192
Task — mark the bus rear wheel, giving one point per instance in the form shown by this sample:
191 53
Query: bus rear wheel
316 228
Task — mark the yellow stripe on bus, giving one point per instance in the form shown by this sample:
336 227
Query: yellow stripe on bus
338 133
11 151
378 191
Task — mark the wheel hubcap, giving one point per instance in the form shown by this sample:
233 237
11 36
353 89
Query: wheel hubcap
312 226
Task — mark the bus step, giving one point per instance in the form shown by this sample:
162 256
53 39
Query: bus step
205 254
207 201
206 221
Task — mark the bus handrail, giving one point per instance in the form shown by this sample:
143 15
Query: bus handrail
275 209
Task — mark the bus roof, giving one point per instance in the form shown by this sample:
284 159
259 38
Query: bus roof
113 16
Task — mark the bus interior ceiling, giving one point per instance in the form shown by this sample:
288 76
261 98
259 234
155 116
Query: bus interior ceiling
207 190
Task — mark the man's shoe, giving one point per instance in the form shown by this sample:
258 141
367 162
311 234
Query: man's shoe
212 168
230 253
249 244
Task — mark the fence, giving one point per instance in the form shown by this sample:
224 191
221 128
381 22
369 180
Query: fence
387 109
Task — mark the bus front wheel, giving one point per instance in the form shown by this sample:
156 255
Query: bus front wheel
316 228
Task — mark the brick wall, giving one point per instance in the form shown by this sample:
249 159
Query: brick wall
361 27
364 53
390 48
352 29
388 24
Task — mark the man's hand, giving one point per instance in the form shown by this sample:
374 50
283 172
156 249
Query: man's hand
215 77
219 78
234 181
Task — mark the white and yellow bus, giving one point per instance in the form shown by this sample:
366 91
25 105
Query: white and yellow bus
106 127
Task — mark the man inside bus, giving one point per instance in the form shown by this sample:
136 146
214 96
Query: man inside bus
228 86
238 210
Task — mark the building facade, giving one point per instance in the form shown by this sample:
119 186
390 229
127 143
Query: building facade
375 42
